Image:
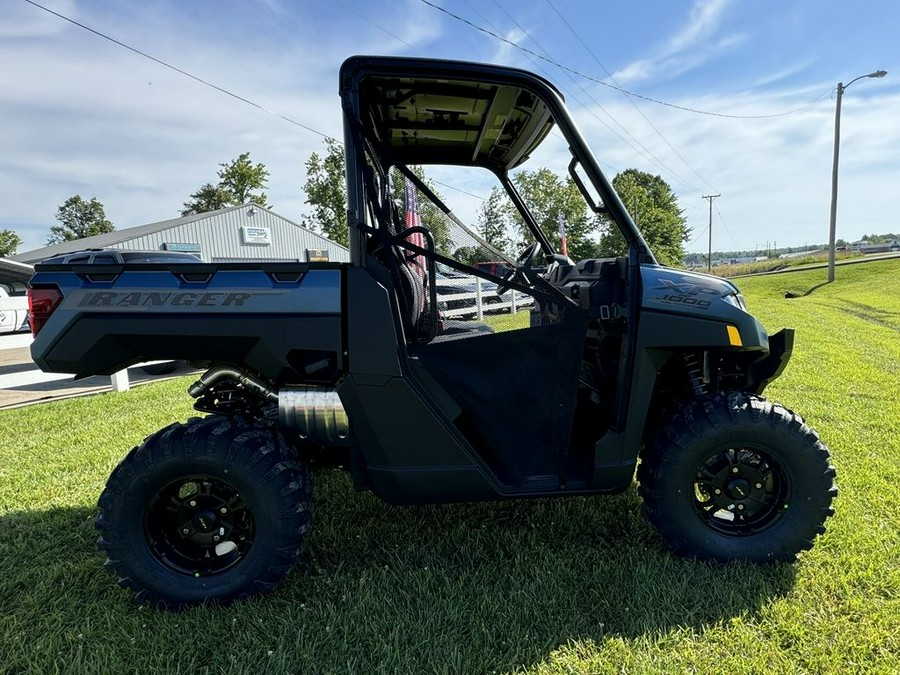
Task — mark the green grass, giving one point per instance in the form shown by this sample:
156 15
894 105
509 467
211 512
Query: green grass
567 586
509 321
776 264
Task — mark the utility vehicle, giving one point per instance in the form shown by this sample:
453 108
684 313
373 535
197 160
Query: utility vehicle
618 364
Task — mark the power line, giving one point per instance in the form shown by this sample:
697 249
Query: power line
377 25
641 149
179 70
611 86
222 90
539 68
630 100
725 225
216 87
456 189
689 215
697 238
543 71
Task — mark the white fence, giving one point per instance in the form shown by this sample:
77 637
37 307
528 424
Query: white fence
480 301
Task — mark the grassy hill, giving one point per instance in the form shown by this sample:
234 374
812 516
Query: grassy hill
569 586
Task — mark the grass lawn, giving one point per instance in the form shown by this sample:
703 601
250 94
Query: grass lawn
773 264
567 586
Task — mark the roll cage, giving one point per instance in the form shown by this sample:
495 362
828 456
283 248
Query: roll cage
408 111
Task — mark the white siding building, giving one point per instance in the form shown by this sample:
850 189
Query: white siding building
236 233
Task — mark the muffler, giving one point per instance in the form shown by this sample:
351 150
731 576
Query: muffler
313 414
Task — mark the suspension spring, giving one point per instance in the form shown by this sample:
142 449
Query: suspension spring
694 372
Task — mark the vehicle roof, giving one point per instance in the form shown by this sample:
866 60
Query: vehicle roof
428 111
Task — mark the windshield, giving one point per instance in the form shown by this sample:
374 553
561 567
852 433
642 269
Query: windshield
483 221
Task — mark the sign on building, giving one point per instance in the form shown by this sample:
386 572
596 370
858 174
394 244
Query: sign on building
180 246
253 234
317 255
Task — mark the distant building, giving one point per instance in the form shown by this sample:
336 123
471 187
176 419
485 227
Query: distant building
800 254
869 247
236 233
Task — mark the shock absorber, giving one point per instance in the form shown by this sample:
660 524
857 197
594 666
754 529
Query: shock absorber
694 372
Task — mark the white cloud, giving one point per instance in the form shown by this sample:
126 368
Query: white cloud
782 73
21 20
703 20
774 174
421 24
274 6
689 47
81 115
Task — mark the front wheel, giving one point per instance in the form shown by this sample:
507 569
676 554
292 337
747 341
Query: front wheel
734 476
212 510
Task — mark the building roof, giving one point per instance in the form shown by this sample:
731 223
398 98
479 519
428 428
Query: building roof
118 236
14 273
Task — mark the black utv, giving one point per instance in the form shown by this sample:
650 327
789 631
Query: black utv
607 366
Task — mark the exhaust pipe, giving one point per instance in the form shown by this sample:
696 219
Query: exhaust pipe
308 413
313 414
216 373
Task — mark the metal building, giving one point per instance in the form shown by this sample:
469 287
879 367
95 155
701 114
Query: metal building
236 233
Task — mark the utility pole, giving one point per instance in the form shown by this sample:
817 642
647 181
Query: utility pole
710 198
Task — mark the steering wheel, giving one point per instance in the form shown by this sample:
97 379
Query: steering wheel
520 270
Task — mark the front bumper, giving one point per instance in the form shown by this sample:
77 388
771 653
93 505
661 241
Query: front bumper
762 372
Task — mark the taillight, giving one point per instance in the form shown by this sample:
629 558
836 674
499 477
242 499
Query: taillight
41 303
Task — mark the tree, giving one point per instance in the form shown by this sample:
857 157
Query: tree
492 221
9 242
469 255
208 198
240 182
326 192
655 210
241 177
78 219
547 196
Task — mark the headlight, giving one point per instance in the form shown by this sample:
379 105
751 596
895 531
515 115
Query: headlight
737 300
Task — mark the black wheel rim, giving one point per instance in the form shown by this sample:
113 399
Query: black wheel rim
198 526
740 491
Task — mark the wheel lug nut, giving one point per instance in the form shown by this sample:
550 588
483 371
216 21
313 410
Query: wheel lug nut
734 469
193 503
759 486
718 491
223 510
740 507
185 531
216 538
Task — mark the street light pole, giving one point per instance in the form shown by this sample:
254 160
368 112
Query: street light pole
834 168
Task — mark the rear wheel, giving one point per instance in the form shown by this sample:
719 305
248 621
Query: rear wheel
212 510
734 476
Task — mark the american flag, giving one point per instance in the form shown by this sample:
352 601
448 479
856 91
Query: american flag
412 219
561 222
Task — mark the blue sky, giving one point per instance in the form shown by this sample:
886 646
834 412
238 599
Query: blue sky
81 115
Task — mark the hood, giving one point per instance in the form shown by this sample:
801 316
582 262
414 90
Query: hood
680 291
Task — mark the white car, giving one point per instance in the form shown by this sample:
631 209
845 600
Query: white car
13 311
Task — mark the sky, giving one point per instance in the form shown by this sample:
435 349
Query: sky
81 115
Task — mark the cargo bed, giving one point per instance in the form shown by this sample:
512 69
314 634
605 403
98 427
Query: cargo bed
109 316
